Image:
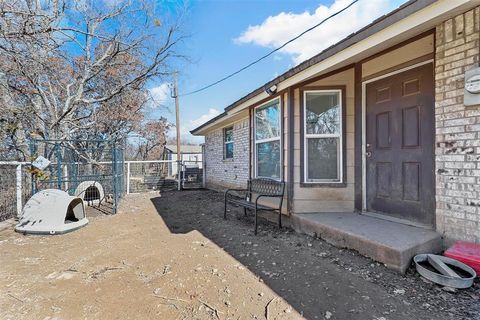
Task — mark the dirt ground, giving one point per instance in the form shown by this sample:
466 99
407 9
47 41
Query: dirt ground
172 256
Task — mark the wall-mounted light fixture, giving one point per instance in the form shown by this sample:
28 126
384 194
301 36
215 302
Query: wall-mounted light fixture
271 90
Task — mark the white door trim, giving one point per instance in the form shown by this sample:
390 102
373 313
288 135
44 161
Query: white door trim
364 123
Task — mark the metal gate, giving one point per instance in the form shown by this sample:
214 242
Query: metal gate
192 174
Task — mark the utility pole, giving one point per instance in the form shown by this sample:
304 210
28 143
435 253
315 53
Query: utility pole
177 126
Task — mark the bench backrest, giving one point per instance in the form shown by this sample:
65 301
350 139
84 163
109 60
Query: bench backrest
266 186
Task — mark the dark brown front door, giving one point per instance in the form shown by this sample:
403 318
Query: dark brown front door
400 145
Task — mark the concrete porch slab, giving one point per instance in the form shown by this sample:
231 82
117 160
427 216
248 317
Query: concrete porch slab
385 241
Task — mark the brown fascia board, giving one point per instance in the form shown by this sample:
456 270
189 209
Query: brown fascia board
377 25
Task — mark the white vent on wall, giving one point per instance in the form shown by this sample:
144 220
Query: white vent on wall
472 87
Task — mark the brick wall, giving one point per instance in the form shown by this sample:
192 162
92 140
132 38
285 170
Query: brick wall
457 130
222 173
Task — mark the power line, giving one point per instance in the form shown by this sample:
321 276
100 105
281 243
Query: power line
270 53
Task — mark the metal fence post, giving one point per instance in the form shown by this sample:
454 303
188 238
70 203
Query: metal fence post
114 177
204 166
19 191
33 150
128 177
58 155
179 174
66 181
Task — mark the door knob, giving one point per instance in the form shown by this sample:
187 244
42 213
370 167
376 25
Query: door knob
368 154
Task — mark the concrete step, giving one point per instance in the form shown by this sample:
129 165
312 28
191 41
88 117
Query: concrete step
391 243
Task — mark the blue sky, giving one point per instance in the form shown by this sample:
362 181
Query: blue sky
226 35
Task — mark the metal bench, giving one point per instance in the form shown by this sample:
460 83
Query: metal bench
257 189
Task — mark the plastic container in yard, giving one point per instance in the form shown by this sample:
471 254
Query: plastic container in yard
466 252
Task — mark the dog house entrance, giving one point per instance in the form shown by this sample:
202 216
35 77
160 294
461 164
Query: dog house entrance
92 193
75 211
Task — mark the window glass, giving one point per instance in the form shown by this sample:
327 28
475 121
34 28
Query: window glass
323 158
267 140
229 150
228 142
323 136
268 159
267 122
229 134
322 113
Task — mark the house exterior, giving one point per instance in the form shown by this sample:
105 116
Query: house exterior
375 124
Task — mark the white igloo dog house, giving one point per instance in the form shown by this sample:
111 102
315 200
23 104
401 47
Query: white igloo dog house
52 211
91 192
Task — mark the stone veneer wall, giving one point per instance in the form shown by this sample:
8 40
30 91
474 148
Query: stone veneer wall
227 173
457 130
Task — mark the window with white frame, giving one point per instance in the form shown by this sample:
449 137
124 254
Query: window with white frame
323 136
267 140
228 143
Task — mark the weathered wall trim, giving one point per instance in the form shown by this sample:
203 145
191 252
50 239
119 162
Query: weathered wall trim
358 137
323 76
400 66
399 45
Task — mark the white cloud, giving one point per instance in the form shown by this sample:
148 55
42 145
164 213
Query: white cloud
160 94
212 112
185 128
278 29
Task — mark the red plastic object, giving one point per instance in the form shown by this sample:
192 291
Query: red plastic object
466 252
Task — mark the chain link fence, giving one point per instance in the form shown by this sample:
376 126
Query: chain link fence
89 169
162 175
144 176
18 183
15 188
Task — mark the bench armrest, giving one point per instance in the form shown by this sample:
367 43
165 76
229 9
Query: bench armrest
268 196
229 190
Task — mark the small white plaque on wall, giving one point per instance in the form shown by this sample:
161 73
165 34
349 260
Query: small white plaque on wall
472 87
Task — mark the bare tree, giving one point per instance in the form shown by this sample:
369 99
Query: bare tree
151 140
74 69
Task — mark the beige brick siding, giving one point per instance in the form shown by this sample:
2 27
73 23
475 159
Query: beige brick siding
227 173
457 130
